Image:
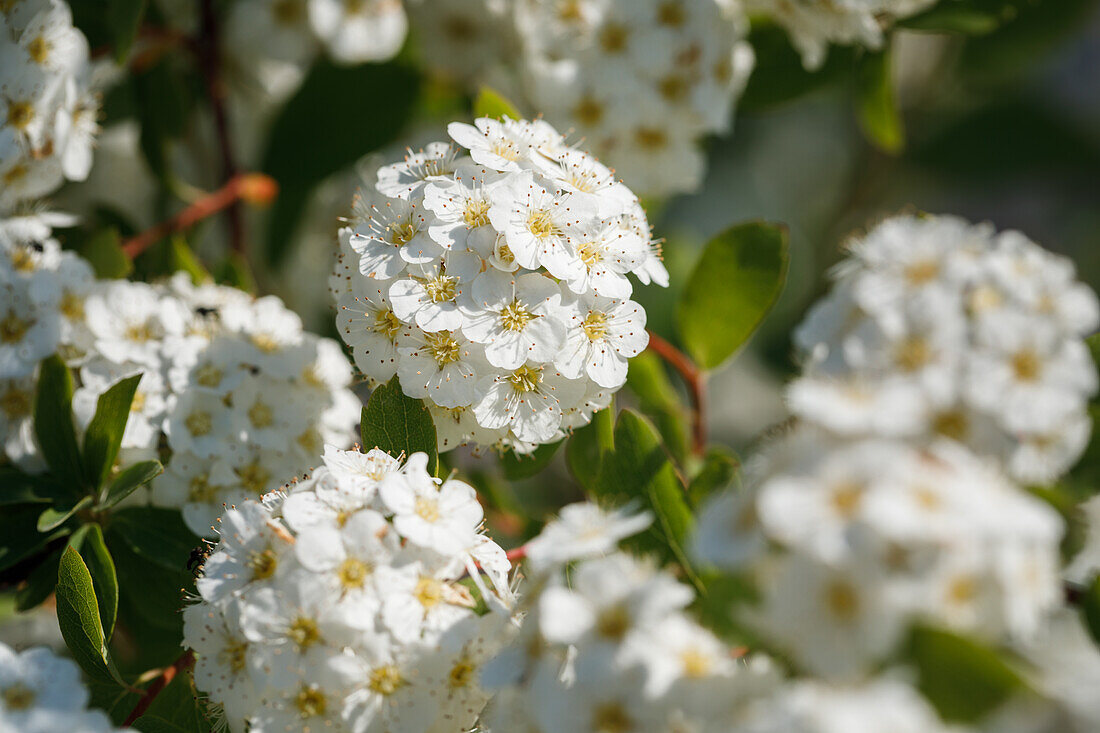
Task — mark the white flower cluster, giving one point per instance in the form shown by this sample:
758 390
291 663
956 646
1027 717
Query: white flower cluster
936 327
338 606
41 692
491 278
42 292
612 649
814 24
642 81
873 536
47 109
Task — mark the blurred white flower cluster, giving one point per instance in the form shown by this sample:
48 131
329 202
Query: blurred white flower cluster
47 108
814 24
641 81
936 327
340 605
231 385
491 278
851 543
41 692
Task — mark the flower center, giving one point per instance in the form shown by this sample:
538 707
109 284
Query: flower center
590 254
15 403
540 223
515 316
443 347
15 174
234 655
846 498
385 680
304 632
199 423
253 477
461 674
22 260
72 306
429 592
613 38
588 111
611 718
695 663
401 233
261 415
650 138
287 12
426 508
595 325
613 622
13 328
310 702
18 697
20 114
670 13
505 149
353 573
265 342
387 324
962 590
440 289
842 600
139 332
208 375
263 564
951 424
504 254
477 213
1027 365
199 491
922 272
525 379
39 50
912 353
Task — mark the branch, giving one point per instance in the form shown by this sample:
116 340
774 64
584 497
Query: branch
695 380
517 553
252 187
210 63
185 661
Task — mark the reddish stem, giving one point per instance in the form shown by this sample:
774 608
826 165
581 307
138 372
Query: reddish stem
517 553
253 187
185 660
695 380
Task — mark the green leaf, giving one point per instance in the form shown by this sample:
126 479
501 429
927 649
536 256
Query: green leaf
123 20
953 17
582 455
876 103
78 617
175 709
962 678
719 468
19 535
639 469
519 467
53 518
53 423
130 480
182 258
103 437
104 251
734 285
98 560
40 583
491 103
156 534
235 272
1090 609
157 601
648 379
17 487
342 124
398 424
779 76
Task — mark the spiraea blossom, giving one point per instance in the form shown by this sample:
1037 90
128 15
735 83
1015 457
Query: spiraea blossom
814 24
341 605
490 275
936 327
41 692
613 649
853 542
641 81
47 107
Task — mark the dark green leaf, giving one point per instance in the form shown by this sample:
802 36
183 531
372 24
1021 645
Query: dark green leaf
639 470
779 75
104 434
341 122
53 423
78 616
156 534
962 678
876 103
93 550
582 454
155 602
648 379
235 272
163 103
175 709
954 17
17 487
19 536
130 480
734 285
520 467
491 103
1090 609
719 468
40 583
398 424
53 518
123 20
104 251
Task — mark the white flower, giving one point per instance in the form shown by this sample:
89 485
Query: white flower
28 332
368 324
130 321
360 473
393 236
517 318
530 401
372 30
429 298
442 518
602 335
505 145
407 179
442 366
583 530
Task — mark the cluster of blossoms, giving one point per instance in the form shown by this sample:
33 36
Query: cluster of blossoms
641 80
814 24
43 693
853 542
338 605
936 327
47 108
231 385
493 282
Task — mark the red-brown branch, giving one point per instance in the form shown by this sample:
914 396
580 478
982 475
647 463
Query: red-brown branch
252 187
516 553
210 63
185 660
695 380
